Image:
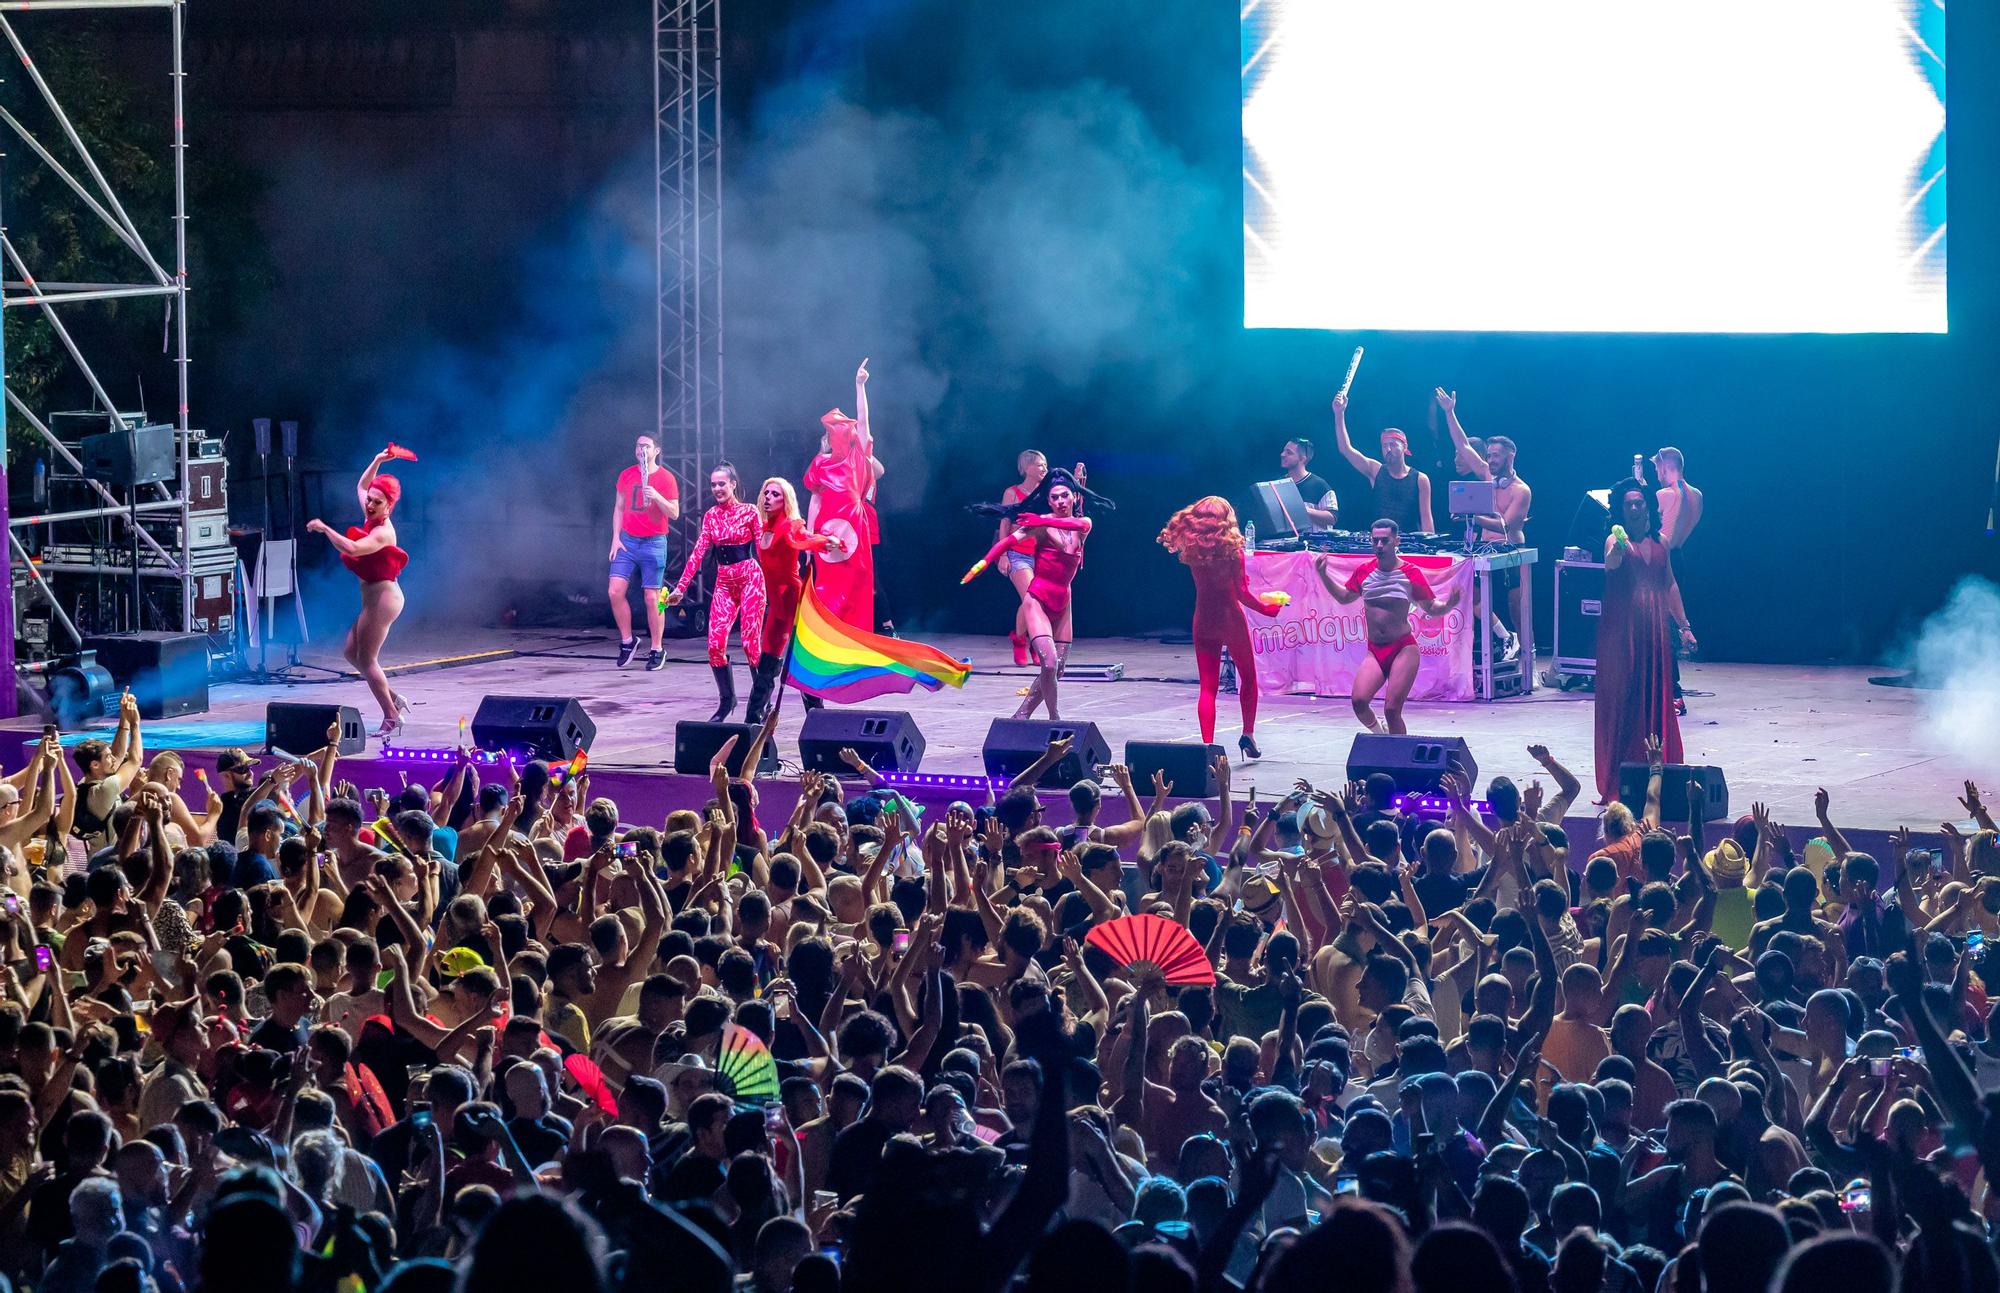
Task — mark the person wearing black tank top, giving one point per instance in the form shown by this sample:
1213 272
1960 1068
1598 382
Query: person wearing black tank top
1401 493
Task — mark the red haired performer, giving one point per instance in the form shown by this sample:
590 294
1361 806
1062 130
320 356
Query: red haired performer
370 551
1388 591
842 480
1048 516
784 537
731 527
1204 536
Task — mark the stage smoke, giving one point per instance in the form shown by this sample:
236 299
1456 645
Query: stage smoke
1953 658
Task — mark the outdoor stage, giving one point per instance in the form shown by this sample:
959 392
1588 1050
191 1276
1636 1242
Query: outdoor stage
1778 732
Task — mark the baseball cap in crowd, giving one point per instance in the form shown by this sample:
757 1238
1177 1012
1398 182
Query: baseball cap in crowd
8 795
230 760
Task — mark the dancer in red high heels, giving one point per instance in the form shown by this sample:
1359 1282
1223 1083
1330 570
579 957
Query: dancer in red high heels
1204 536
370 551
1018 561
783 538
1048 517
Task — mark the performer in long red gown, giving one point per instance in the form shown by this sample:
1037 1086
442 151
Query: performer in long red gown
1204 536
1635 648
842 480
778 548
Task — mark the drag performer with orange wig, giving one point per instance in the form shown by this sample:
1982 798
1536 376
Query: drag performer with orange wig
1049 517
778 547
370 551
1204 536
842 480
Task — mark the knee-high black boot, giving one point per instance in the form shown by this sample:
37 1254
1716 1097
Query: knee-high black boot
761 680
725 691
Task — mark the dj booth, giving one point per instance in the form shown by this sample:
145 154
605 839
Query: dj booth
1314 644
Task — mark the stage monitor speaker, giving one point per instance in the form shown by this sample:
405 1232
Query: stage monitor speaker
1579 604
695 743
1184 763
140 456
1416 762
886 739
1013 744
553 728
301 729
167 673
1674 790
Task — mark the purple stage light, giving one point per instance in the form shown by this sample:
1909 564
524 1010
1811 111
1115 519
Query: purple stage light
1438 805
940 781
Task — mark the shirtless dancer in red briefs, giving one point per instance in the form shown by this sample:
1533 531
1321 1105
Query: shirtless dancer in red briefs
1388 591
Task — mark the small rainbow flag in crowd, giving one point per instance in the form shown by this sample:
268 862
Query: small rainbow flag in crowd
838 662
570 771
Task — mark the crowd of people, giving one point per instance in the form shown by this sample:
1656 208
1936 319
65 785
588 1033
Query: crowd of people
273 1032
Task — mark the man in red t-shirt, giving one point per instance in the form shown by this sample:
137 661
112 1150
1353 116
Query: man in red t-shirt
648 502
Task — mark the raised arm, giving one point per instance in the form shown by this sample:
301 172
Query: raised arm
1838 842
1468 461
699 551
1057 750
1338 591
1356 459
368 478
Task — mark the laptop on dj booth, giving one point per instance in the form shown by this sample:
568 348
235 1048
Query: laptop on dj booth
1282 512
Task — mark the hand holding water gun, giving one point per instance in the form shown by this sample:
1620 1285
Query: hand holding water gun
1619 538
979 567
1275 597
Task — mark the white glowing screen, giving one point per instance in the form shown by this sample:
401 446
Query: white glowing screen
1594 165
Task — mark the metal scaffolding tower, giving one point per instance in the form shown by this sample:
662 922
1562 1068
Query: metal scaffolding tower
687 222
176 534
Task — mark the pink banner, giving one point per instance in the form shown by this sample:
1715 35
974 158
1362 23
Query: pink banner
1315 643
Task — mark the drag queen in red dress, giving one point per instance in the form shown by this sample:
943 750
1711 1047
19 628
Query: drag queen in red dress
1047 516
370 551
731 528
1635 639
842 480
784 537
1204 536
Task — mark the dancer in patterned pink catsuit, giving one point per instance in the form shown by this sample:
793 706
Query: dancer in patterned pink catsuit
731 528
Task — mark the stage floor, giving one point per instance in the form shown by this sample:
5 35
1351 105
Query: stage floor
1777 731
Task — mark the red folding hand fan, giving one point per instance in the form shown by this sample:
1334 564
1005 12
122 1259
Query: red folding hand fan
1154 940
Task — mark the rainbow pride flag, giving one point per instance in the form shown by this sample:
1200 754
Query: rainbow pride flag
835 661
569 771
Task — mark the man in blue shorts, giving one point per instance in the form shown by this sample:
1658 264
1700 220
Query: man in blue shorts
648 502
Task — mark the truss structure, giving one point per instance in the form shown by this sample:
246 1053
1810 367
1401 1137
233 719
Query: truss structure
160 538
687 221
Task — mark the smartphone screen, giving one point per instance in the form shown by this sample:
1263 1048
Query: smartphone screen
45 958
900 940
629 849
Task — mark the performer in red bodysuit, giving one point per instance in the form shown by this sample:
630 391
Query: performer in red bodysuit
370 551
842 479
731 527
1204 536
1635 652
1389 590
783 538
1048 517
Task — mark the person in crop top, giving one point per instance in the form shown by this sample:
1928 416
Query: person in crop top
1388 590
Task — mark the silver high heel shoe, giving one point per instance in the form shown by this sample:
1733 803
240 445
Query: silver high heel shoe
402 705
390 727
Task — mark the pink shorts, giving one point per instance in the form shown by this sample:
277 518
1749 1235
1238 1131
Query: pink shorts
1385 653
